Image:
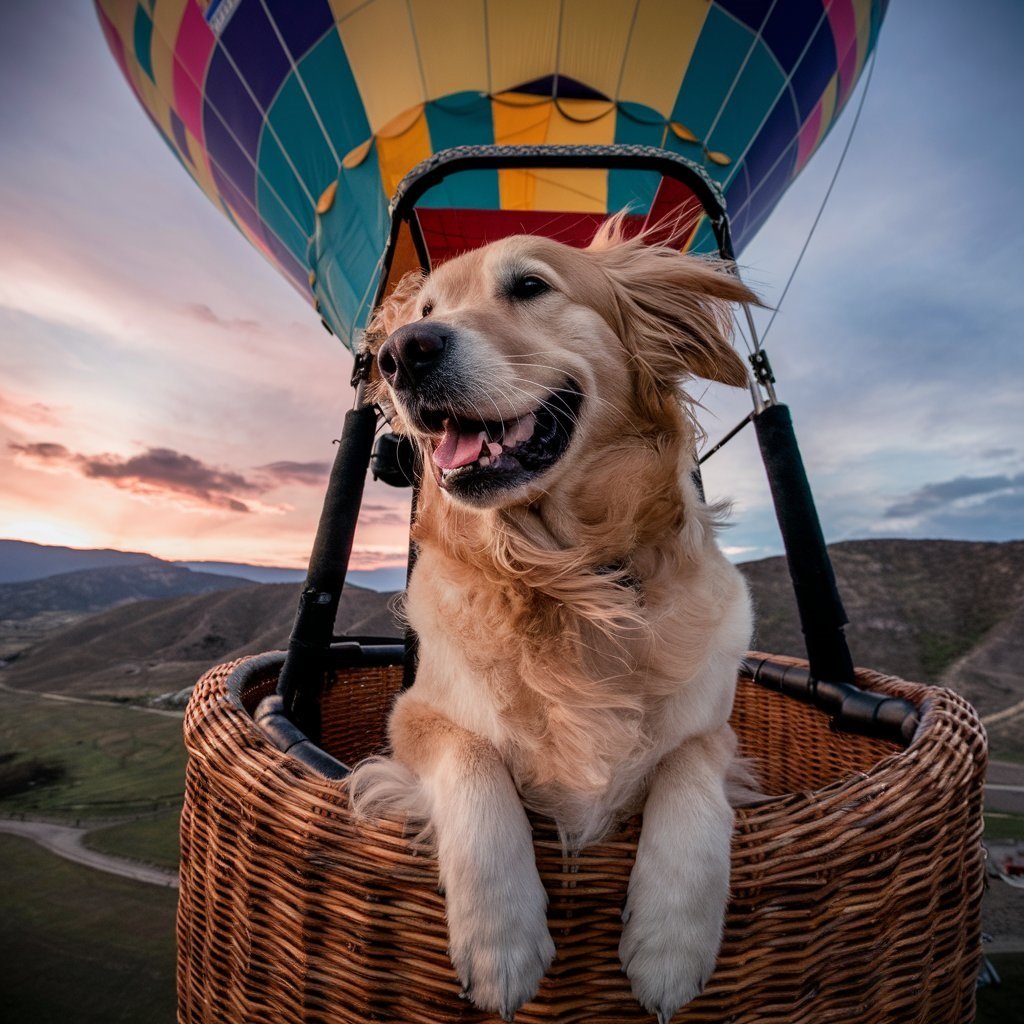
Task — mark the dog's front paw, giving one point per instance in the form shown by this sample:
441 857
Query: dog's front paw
500 945
668 948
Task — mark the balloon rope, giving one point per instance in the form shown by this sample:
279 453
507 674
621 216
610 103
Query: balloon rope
725 440
742 333
824 202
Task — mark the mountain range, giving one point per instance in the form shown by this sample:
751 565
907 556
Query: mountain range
22 560
948 612
93 590
148 647
936 611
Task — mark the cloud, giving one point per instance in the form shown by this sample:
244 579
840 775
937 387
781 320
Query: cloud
383 515
19 412
932 497
204 314
736 552
156 472
44 451
285 472
365 557
996 516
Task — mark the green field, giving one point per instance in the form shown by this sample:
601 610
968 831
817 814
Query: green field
1006 740
80 945
113 761
1002 825
1005 1004
153 840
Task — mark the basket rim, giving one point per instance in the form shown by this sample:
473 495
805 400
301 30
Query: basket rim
219 714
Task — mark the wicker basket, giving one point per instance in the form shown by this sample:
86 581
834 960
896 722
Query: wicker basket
855 889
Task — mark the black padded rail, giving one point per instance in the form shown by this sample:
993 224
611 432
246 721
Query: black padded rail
303 671
271 714
852 709
446 162
822 616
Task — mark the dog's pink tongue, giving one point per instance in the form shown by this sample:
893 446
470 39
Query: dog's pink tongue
457 448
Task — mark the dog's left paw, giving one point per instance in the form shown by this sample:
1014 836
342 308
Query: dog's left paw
500 947
667 951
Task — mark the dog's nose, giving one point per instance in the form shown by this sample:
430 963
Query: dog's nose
411 352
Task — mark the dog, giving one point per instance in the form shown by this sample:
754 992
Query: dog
580 631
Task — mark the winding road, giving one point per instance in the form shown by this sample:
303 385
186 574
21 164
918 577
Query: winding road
64 698
66 841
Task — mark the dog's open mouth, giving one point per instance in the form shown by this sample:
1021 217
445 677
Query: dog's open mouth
474 458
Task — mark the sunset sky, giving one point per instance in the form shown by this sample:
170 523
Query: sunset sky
162 389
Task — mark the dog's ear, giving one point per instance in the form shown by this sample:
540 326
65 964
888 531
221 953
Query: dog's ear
675 311
400 307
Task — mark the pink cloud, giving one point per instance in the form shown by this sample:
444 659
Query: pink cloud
367 558
157 471
19 412
288 472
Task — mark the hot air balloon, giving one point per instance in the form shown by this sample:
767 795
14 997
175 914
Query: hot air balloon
299 120
352 140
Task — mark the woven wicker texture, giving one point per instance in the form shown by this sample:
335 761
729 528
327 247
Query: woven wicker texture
856 887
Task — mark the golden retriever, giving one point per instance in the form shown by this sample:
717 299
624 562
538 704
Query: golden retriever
580 630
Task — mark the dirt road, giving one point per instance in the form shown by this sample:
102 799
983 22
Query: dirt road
64 698
66 841
1004 787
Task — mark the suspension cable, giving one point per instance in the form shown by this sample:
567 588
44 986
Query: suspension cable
725 440
828 193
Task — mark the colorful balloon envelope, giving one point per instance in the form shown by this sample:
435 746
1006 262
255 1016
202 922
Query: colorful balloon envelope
299 118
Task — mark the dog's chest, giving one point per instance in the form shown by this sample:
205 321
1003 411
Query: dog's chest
571 736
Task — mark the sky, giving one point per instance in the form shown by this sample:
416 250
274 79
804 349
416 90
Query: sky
163 389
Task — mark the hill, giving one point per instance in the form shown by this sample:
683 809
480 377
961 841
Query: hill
388 578
93 590
21 560
152 647
949 612
254 573
945 612
33 609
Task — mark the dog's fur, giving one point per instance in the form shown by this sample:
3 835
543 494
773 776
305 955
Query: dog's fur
580 631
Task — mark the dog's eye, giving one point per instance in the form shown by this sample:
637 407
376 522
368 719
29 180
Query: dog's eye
528 287
428 308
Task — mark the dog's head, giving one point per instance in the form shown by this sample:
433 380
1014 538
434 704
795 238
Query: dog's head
523 363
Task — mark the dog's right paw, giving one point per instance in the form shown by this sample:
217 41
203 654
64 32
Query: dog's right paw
672 926
668 961
501 948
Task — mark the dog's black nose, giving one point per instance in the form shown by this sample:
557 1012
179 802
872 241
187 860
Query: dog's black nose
411 352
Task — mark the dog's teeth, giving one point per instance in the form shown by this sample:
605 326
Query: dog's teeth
484 460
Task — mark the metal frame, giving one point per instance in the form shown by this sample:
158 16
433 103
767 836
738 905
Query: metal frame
822 617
